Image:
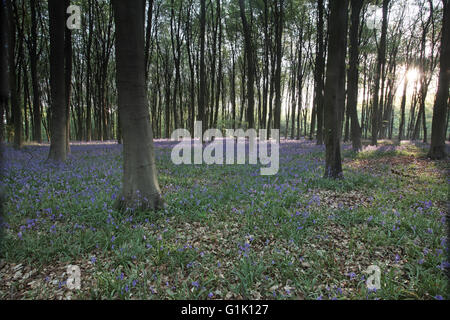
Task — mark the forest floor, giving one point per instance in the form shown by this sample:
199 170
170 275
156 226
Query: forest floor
227 232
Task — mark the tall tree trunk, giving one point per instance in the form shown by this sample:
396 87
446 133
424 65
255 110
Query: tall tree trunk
14 99
201 116
34 76
297 79
266 67
68 77
401 127
88 75
219 73
4 87
147 38
140 184
278 37
233 87
191 69
318 75
333 103
352 90
440 108
175 41
381 60
57 13
250 66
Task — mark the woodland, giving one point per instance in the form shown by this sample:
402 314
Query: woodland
91 91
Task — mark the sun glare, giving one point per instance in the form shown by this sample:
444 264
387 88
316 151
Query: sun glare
412 75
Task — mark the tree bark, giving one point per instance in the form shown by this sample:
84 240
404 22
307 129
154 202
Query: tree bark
250 66
440 108
88 74
201 116
57 13
333 103
68 78
278 37
14 99
352 90
4 88
381 60
148 37
34 76
140 184
318 76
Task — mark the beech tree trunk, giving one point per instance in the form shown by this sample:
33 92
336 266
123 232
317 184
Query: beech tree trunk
57 14
201 116
333 102
250 66
318 76
68 78
88 75
4 92
352 90
34 77
278 37
15 106
381 60
440 109
140 184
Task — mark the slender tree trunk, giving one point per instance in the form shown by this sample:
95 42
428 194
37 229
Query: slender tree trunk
250 66
57 14
333 103
440 108
298 74
88 74
191 69
266 67
378 77
4 88
402 111
34 76
278 37
219 73
26 100
233 88
147 38
318 76
353 76
14 99
202 91
68 78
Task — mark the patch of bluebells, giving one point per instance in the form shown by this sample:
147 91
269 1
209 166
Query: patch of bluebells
95 169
